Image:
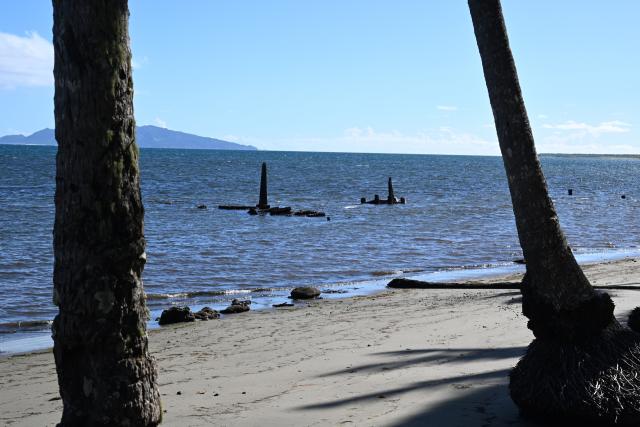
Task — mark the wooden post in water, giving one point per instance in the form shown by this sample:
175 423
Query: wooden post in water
263 202
392 198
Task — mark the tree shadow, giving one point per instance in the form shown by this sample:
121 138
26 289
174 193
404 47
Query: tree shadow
427 355
475 399
503 294
516 297
439 355
484 406
459 380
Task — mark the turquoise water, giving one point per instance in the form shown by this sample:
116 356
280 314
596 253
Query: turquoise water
457 217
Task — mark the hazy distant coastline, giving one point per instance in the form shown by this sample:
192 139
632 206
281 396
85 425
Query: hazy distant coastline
147 137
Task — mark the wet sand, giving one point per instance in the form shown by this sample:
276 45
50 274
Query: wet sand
397 358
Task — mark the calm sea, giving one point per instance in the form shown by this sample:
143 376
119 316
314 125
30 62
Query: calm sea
457 217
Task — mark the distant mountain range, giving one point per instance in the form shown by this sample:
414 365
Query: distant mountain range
146 137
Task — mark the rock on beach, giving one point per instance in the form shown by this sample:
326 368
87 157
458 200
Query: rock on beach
237 306
176 315
206 313
305 292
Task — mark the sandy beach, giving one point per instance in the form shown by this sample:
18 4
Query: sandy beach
397 358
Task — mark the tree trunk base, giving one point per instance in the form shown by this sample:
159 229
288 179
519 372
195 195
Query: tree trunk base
595 381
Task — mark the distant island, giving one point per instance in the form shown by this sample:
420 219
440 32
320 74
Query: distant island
146 137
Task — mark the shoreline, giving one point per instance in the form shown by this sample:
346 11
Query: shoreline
30 341
397 357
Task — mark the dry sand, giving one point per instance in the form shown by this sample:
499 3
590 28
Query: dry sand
398 358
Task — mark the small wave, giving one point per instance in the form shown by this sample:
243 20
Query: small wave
386 273
27 325
351 206
262 290
194 294
413 270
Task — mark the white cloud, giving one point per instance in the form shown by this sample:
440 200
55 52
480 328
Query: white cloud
614 126
25 61
159 122
579 137
559 145
446 107
367 140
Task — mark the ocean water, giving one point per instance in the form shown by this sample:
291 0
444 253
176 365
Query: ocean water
457 218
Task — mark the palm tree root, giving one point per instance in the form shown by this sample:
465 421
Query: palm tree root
595 381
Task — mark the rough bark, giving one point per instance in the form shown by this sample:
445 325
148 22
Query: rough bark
582 366
556 292
105 373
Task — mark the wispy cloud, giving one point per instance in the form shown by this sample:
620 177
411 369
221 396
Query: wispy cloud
25 61
579 137
614 126
560 145
444 140
446 107
159 122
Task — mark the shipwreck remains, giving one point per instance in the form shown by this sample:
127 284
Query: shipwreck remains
390 200
263 207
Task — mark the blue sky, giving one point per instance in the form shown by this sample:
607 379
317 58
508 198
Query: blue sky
359 75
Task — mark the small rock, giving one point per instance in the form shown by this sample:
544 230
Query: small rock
176 315
237 306
179 393
206 313
252 211
284 304
202 206
305 292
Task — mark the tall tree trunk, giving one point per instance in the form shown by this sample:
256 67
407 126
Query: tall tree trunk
556 290
105 373
582 364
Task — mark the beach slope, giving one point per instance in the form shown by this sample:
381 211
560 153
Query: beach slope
398 358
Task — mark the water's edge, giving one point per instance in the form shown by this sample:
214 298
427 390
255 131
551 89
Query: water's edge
35 341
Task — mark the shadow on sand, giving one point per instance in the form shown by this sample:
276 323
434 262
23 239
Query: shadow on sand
428 355
478 399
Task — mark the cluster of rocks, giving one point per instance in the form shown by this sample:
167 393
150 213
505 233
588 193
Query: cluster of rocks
237 306
184 314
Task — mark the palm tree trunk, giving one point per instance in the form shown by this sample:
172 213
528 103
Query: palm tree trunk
555 291
583 365
105 373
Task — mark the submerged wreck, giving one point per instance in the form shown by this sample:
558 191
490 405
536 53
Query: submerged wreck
390 200
263 207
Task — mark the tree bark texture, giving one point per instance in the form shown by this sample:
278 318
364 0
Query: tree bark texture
557 297
105 373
